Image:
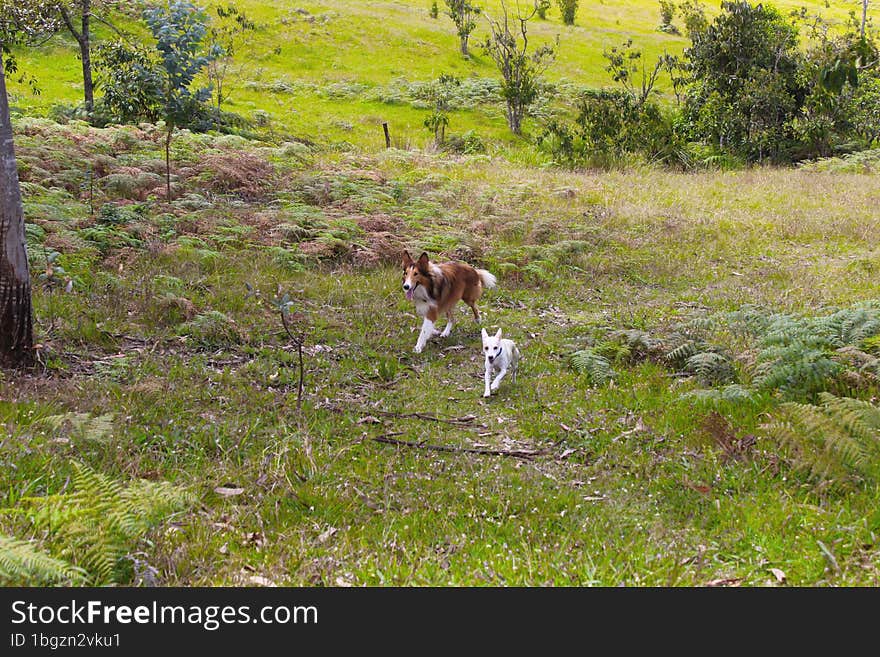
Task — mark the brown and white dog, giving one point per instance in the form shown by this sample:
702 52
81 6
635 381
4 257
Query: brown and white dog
435 288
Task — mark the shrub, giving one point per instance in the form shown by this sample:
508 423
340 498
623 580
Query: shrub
541 7
469 143
745 104
610 126
568 10
667 13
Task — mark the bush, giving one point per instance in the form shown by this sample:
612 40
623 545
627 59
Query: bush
775 101
132 82
469 143
112 214
568 9
609 127
667 13
541 7
244 174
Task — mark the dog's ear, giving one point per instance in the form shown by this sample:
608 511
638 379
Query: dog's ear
485 335
407 259
498 335
423 261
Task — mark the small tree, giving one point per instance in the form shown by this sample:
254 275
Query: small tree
440 95
433 12
541 7
464 14
568 9
693 14
84 12
626 66
667 13
18 22
132 82
521 71
744 86
224 37
179 30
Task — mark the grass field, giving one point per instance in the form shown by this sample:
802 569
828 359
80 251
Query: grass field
624 482
167 360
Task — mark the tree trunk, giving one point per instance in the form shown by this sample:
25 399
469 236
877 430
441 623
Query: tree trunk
464 45
85 54
16 320
514 118
170 129
83 38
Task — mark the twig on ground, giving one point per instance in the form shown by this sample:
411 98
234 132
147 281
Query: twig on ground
465 420
515 453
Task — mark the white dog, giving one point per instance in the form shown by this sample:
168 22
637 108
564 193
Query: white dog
501 354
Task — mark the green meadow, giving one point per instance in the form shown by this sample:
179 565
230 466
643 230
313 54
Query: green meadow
680 333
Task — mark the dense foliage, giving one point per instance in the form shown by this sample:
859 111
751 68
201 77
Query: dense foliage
749 91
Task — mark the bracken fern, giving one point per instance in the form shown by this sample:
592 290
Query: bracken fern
836 441
597 368
23 563
97 525
802 356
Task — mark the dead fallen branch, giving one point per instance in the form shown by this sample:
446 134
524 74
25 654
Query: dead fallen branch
515 453
463 421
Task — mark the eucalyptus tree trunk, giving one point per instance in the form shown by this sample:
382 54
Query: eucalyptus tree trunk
16 317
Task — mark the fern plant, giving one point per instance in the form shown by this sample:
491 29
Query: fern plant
22 562
641 345
803 356
96 428
681 353
796 369
710 367
835 441
92 529
597 368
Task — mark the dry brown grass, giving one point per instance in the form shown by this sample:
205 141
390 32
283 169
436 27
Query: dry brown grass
246 175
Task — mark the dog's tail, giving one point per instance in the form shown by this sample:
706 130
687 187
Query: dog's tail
488 279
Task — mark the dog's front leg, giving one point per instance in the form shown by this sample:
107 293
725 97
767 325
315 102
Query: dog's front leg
487 393
425 334
448 328
498 378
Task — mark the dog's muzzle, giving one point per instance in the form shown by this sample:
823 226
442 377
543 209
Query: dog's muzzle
409 291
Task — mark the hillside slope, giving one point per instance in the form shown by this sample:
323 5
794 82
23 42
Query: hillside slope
333 71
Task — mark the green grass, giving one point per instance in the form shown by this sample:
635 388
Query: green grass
629 482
